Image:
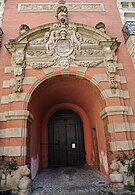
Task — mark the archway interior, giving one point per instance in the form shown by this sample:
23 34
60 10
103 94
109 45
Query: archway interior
65 139
71 93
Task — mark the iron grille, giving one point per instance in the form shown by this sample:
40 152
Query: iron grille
128 29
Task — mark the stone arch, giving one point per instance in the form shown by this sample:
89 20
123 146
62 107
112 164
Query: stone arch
91 57
81 75
72 104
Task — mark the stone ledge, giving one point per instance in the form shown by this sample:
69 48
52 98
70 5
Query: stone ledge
116 110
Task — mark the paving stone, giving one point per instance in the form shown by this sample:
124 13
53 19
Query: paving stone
74 181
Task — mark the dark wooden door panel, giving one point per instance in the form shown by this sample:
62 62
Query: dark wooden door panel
66 140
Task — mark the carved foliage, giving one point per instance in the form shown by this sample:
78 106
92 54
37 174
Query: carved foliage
18 61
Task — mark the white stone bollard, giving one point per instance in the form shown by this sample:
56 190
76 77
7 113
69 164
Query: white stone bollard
116 177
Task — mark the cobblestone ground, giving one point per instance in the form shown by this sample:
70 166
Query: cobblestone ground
73 181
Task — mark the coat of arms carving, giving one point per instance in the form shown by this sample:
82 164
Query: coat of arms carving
62 43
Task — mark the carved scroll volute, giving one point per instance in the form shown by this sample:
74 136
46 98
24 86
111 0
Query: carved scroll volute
111 68
18 63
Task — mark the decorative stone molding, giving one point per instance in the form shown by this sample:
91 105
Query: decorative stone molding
116 110
45 7
62 45
19 67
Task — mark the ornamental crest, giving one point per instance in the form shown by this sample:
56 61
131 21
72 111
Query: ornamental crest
61 43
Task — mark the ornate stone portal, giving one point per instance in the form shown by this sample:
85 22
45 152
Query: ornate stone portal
62 45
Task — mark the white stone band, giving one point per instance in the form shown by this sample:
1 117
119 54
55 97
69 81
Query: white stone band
122 145
116 110
121 127
13 150
13 132
15 115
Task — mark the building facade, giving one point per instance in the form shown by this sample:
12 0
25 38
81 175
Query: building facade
67 84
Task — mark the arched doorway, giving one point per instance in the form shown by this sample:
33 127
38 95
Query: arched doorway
74 94
65 139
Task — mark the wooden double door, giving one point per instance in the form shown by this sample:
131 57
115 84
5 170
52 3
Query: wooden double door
66 139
